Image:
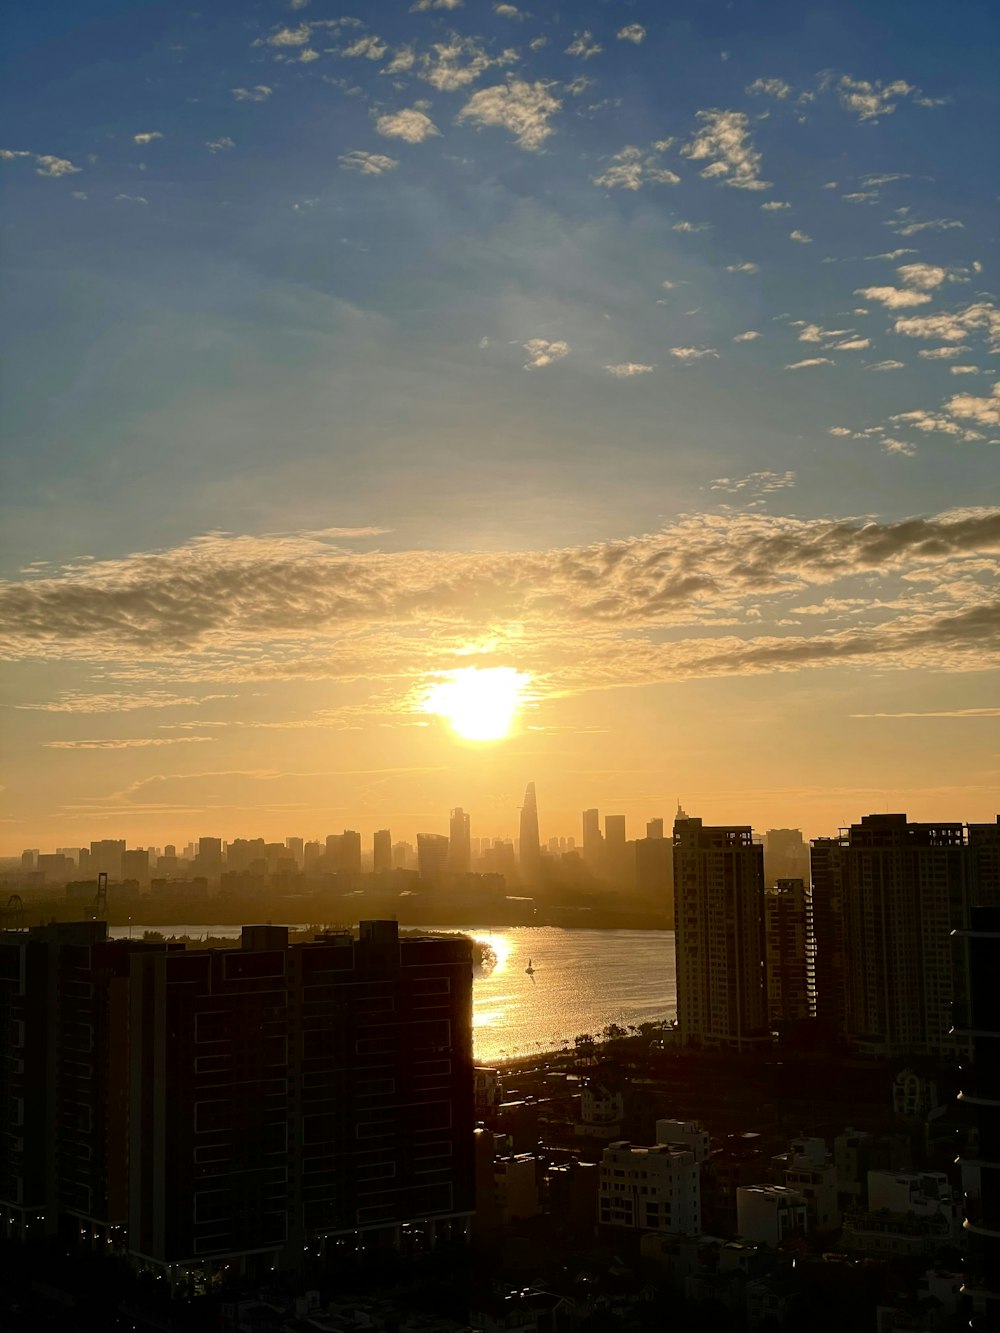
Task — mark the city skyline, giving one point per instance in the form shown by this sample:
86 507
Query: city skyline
407 405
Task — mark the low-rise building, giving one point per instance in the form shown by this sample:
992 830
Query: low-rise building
771 1214
655 1188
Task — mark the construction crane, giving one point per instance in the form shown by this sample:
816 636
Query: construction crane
99 907
13 916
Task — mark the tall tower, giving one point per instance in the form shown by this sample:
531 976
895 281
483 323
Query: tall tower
789 951
719 936
593 842
382 852
531 859
459 843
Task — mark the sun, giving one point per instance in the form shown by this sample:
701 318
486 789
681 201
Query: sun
478 703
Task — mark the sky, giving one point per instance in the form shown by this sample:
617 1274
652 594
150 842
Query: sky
646 353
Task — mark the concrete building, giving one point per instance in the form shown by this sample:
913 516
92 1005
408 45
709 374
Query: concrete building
786 855
771 1214
432 857
654 1188
459 842
978 1014
233 1106
719 936
907 1216
593 841
654 871
382 852
810 1170
686 1134
899 889
788 953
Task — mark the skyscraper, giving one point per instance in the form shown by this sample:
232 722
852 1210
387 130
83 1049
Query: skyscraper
432 857
788 946
460 842
902 888
593 842
615 850
382 852
654 828
719 936
530 850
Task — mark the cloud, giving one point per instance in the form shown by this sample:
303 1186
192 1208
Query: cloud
291 36
220 145
743 268
509 12
691 226
893 298
422 6
403 60
689 355
944 712
259 93
724 140
955 326
632 32
867 100
924 276
369 47
984 411
523 109
801 237
134 743
628 370
747 337
888 365
411 125
542 353
53 167
964 370
853 345
12 154
584 46
771 87
810 361
814 333
915 228
759 483
131 199
456 63
773 205
146 137
941 353
75 701
369 164
631 168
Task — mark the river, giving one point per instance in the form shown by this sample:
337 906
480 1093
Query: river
583 980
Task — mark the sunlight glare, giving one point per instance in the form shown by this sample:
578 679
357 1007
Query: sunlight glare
478 703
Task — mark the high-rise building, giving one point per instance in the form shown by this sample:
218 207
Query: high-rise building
135 865
459 842
106 858
826 860
530 847
615 849
786 855
209 859
593 842
719 936
902 888
382 852
654 872
788 952
296 850
654 828
234 1106
432 857
350 852
977 1014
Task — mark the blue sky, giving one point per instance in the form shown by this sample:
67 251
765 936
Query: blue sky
481 293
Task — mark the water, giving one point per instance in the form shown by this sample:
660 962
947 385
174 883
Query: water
583 981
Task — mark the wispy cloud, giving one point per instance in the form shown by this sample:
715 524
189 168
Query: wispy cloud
802 237
368 164
259 93
541 352
870 100
129 743
689 355
584 46
724 141
632 32
771 87
810 361
629 369
631 168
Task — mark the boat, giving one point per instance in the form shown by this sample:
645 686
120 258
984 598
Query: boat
530 969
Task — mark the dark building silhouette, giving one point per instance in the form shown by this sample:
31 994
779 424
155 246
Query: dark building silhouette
886 895
654 871
209 1106
977 1016
786 855
719 936
459 842
432 856
529 846
788 952
382 852
593 840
